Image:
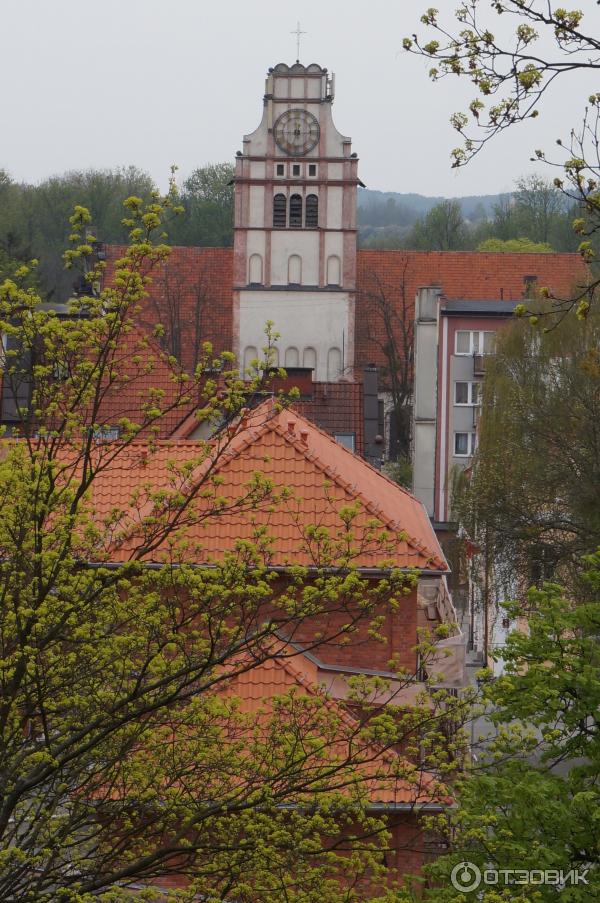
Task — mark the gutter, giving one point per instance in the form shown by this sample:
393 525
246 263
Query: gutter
371 573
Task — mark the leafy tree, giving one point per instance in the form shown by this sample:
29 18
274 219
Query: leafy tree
34 219
532 501
389 318
207 198
539 204
532 800
511 72
122 760
442 229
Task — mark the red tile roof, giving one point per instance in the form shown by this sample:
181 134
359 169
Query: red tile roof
321 475
466 275
383 772
191 294
143 367
336 408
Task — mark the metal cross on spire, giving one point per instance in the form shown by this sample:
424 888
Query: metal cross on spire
298 32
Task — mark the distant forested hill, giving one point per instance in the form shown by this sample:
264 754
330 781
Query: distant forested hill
391 208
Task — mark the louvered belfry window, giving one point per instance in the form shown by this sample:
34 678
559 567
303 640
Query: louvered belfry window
279 211
296 210
312 212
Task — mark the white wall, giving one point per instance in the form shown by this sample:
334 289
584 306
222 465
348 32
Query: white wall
294 315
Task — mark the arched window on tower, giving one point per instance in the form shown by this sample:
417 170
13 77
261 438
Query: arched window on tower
311 220
295 269
255 276
279 211
334 365
296 211
333 270
291 357
250 354
309 359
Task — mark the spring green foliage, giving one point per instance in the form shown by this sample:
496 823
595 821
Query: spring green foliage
531 801
442 229
122 761
514 246
510 64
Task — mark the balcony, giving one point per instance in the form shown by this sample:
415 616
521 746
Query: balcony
479 364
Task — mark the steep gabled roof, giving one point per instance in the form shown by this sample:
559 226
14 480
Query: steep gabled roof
322 478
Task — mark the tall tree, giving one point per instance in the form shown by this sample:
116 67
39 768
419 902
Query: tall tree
207 198
389 317
121 759
540 205
531 803
34 220
533 497
442 229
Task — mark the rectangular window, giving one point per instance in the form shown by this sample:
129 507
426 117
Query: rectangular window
312 169
107 434
280 169
345 439
489 342
295 169
463 342
466 393
464 444
475 341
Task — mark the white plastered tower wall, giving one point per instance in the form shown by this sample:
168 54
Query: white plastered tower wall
297 267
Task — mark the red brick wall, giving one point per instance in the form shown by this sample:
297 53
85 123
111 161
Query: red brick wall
399 632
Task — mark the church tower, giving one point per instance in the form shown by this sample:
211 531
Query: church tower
295 228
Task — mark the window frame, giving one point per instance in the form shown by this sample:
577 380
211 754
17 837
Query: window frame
295 211
350 445
279 209
480 333
311 210
471 401
471 443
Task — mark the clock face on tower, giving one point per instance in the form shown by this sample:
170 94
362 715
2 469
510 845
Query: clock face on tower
296 132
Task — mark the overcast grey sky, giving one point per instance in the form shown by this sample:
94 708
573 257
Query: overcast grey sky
156 82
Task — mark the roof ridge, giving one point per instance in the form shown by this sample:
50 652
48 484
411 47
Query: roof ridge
332 472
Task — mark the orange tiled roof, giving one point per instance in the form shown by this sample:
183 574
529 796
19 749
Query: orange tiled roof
136 380
321 475
256 687
193 291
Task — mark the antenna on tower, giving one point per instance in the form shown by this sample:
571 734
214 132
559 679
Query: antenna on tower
298 32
